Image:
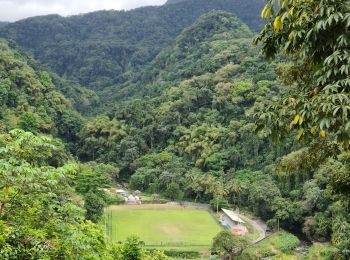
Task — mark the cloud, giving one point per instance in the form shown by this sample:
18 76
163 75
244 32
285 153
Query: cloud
12 10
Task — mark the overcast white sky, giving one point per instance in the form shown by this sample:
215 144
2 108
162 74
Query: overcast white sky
12 10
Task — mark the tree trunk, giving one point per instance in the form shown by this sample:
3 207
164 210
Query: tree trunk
217 206
195 200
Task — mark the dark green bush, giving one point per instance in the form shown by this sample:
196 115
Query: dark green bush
182 254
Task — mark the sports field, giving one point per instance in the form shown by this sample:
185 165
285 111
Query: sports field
162 226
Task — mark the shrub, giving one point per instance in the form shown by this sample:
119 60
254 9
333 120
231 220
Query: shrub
285 242
182 254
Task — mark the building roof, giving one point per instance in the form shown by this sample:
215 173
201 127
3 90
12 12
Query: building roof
233 216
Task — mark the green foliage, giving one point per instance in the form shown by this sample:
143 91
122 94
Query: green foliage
340 238
339 177
173 191
321 251
38 217
132 249
28 122
104 48
208 26
160 173
183 126
225 243
70 124
28 98
93 177
317 228
182 254
313 34
279 245
261 196
285 242
94 206
218 202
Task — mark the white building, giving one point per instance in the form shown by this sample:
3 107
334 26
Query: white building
230 218
132 200
121 192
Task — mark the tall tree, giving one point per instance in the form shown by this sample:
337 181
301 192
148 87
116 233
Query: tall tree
38 219
314 35
228 245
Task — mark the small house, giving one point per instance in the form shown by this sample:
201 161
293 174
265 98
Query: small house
132 200
121 192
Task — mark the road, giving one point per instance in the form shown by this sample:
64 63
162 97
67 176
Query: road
258 225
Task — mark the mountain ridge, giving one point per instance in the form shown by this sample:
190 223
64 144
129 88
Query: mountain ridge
100 49
170 2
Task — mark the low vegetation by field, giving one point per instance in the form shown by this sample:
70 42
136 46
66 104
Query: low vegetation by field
163 226
278 245
321 251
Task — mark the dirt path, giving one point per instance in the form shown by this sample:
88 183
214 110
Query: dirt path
258 225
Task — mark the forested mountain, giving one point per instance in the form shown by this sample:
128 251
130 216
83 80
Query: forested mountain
42 187
193 135
174 1
183 84
2 24
28 98
203 47
31 98
104 48
183 97
35 169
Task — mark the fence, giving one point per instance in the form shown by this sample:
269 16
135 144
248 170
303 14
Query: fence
176 244
110 232
191 204
109 224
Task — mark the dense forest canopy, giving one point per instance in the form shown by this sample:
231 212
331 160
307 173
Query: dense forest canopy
319 72
3 24
104 48
42 187
28 98
184 107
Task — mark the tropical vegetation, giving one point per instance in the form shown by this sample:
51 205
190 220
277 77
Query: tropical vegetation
190 109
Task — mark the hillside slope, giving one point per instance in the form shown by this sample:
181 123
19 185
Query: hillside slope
213 41
169 2
207 79
191 135
31 98
2 24
28 98
103 48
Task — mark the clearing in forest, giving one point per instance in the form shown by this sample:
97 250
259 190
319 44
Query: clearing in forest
163 226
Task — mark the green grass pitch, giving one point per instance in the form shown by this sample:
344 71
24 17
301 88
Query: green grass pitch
162 225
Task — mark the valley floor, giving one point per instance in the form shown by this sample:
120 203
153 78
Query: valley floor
166 227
